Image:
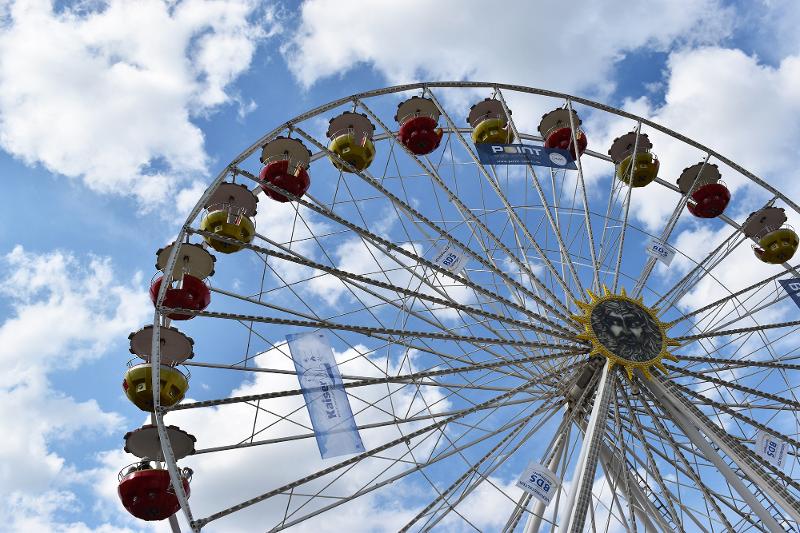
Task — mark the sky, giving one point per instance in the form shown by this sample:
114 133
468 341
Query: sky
116 115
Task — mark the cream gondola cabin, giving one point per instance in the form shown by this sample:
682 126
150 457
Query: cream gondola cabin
419 120
775 242
489 123
229 213
351 141
639 169
556 130
707 194
286 163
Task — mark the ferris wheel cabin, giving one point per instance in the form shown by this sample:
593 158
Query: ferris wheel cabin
230 213
556 130
144 487
489 122
286 163
776 241
419 119
176 348
351 141
639 169
708 195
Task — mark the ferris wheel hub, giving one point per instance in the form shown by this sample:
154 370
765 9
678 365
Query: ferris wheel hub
625 331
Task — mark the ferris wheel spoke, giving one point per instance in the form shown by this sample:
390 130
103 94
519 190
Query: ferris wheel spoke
666 436
690 419
736 294
432 267
388 379
639 432
780 363
441 501
584 198
353 460
750 315
725 333
628 195
548 215
415 215
607 240
738 415
750 391
517 224
700 270
373 331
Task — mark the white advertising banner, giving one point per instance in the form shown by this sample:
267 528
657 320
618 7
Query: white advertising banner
451 258
772 449
539 481
660 251
324 394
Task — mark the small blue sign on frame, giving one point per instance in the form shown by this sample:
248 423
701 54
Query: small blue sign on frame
524 154
792 287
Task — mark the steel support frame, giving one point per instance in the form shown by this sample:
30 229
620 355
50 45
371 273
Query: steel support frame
698 428
580 494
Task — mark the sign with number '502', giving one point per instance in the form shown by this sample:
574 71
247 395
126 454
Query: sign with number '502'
539 481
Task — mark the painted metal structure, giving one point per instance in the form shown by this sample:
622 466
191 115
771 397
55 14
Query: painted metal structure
507 360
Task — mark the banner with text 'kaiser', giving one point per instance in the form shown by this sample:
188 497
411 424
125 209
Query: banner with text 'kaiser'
324 394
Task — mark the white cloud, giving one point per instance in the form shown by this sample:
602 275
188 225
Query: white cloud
39 513
107 94
63 312
448 40
745 110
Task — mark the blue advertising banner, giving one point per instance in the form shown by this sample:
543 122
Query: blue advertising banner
325 397
524 154
792 287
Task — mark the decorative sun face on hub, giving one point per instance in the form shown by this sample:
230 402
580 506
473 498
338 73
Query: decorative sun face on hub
625 331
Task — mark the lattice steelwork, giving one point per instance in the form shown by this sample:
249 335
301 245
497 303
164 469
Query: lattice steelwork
459 379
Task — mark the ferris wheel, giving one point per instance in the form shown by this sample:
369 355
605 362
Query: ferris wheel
515 349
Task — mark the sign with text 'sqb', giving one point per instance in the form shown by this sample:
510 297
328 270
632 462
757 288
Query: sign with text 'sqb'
539 481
